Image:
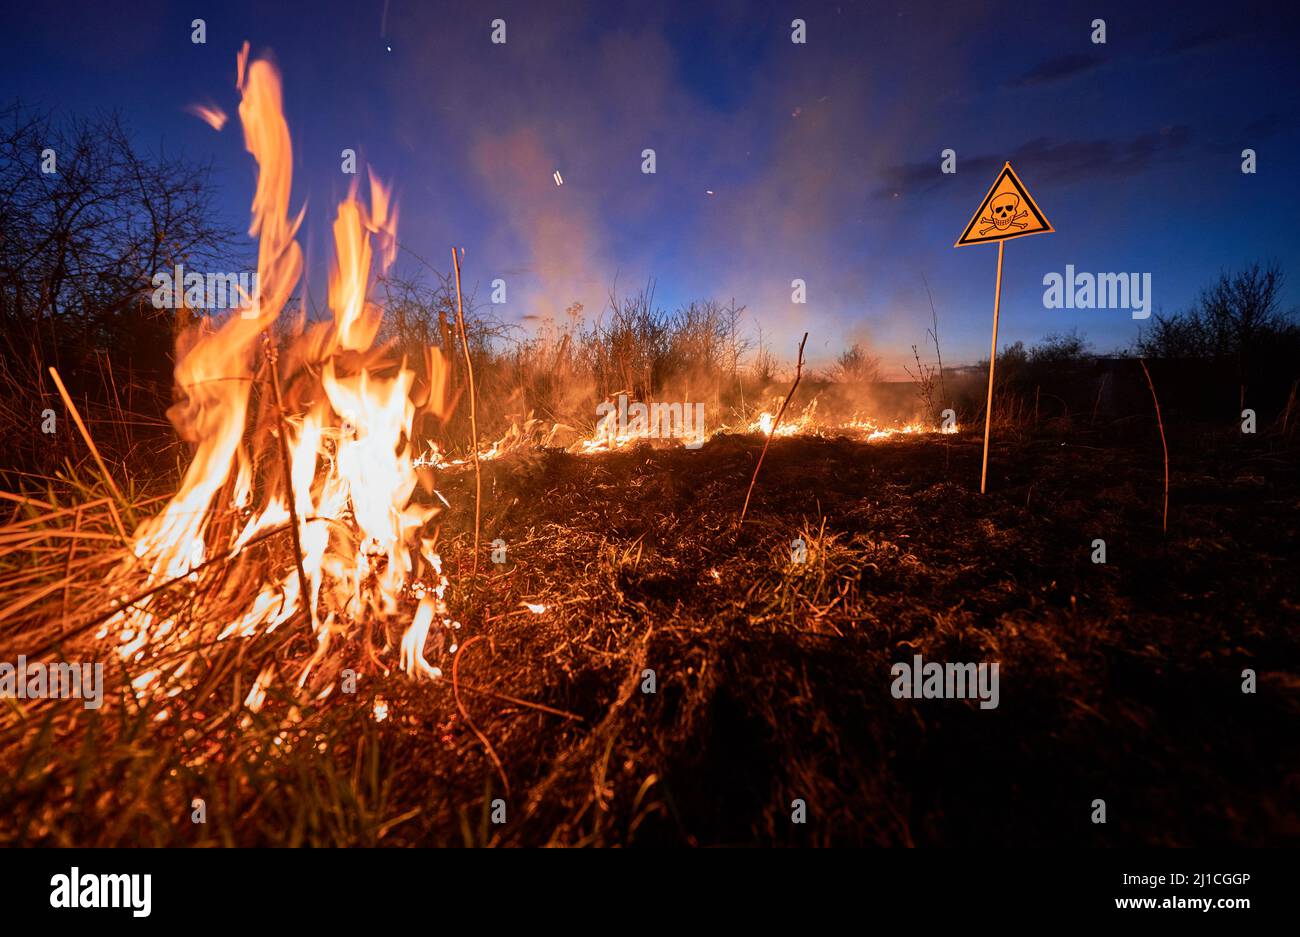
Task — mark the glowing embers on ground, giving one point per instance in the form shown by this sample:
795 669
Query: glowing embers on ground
611 434
345 470
858 427
871 431
623 420
609 437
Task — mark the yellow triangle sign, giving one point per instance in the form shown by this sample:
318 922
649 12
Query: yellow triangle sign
1008 211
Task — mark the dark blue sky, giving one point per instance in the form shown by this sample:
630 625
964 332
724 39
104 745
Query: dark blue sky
824 157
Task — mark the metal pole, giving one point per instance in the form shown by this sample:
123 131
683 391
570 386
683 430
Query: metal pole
993 357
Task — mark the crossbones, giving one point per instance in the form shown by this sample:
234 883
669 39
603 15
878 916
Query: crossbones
1003 214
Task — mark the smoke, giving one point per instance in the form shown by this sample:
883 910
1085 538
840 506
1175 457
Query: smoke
791 148
554 230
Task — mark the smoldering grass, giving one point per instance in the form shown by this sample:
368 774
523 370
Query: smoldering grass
772 677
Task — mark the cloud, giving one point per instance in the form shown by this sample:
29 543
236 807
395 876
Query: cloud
1058 69
1254 132
1206 39
558 233
1053 160
1267 126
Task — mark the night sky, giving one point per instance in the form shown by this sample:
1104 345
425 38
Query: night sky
824 158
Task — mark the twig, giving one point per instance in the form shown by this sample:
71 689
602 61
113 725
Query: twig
94 450
1101 385
1164 522
455 691
67 567
473 412
26 599
798 373
304 595
21 499
528 704
924 380
934 334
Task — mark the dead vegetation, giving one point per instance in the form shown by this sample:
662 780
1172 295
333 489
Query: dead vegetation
1120 681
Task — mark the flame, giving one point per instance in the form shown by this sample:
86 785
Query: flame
608 436
215 372
412 659
347 416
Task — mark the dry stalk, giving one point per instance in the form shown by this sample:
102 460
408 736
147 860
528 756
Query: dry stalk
798 373
515 700
27 500
1101 386
160 587
933 332
455 691
94 450
67 566
1164 522
473 411
282 435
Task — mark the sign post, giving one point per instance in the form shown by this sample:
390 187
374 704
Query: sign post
1008 211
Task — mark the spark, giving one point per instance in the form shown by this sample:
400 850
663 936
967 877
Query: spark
210 114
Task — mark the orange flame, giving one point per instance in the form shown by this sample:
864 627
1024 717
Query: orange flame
351 477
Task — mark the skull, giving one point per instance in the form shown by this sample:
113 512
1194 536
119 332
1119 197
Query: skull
1003 209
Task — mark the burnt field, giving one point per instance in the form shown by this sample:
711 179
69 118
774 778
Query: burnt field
466 532
1119 681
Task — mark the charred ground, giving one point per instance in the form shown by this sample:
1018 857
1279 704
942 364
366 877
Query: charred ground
1120 681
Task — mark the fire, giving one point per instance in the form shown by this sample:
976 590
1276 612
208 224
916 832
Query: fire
790 425
346 416
306 428
859 427
607 437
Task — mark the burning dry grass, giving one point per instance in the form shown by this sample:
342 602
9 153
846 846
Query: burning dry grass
302 643
1119 681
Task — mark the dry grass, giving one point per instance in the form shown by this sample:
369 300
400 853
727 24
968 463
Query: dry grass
1119 681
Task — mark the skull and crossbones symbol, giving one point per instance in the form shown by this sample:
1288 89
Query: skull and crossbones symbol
1003 214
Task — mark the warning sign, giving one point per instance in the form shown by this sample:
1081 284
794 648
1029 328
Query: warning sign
1008 211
